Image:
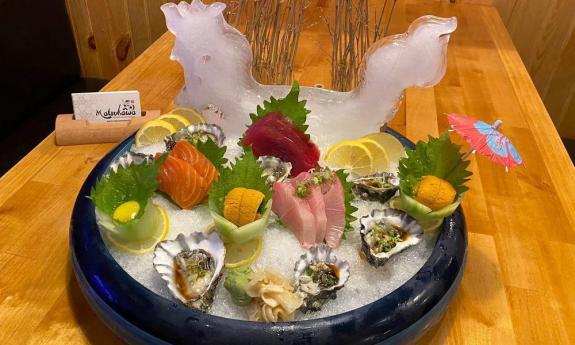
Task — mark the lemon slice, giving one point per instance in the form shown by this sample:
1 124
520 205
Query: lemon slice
192 115
155 221
393 147
350 155
242 254
178 121
380 160
153 132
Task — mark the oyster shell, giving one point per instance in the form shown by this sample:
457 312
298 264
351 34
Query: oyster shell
379 187
318 276
129 158
275 170
387 232
192 267
199 132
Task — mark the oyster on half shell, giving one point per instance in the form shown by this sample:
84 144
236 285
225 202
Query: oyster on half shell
319 274
378 187
192 267
387 232
129 158
275 170
200 132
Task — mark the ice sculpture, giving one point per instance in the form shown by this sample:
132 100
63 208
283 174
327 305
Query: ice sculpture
217 61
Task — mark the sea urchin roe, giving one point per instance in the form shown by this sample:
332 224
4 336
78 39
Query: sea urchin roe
434 192
384 238
126 212
241 205
193 272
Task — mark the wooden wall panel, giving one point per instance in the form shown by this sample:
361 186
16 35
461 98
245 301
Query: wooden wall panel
139 25
544 34
83 34
111 33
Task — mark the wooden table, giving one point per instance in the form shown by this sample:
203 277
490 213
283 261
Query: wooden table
518 286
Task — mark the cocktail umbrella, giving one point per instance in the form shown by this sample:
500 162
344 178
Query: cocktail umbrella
486 139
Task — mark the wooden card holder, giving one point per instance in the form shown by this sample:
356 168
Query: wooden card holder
78 132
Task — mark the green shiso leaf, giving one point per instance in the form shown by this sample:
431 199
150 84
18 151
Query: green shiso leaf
438 157
212 152
137 182
290 106
247 173
236 283
348 194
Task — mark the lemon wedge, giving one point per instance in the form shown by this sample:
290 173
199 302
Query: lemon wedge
178 121
351 155
145 233
242 254
192 115
153 132
393 147
380 160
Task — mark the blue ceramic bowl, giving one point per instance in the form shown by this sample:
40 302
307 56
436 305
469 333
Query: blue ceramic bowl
140 316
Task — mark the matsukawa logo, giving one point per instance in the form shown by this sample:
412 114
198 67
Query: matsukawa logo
126 108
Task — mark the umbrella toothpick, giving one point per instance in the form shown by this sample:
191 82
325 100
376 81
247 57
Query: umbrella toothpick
467 154
486 139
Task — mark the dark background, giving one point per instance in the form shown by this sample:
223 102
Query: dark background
39 69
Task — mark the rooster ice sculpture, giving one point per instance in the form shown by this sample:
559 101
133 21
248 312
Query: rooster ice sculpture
217 63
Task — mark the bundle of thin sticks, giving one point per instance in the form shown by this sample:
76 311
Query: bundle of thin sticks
273 29
352 31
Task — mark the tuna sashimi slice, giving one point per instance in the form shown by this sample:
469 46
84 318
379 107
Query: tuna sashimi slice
294 212
335 212
275 135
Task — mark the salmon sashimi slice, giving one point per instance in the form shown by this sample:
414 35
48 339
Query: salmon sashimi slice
186 151
180 180
334 200
294 212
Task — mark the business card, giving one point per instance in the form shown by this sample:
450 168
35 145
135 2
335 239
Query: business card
106 106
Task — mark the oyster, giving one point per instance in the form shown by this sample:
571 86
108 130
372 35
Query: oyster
275 170
129 158
318 276
379 187
387 232
199 132
192 267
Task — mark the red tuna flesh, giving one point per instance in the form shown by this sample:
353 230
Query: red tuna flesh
275 135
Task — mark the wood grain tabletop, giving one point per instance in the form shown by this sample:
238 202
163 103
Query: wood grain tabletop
518 285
